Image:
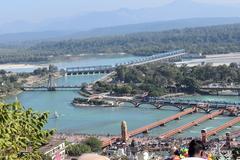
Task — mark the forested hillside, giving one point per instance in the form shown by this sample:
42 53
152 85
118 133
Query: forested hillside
208 40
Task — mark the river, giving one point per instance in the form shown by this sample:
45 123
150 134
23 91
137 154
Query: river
99 120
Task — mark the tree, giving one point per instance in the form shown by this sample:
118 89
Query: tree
22 132
2 72
77 149
233 65
13 78
236 153
94 143
45 157
52 68
191 84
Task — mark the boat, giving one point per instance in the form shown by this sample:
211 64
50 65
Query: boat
56 115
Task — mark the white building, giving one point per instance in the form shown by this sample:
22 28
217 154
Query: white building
55 149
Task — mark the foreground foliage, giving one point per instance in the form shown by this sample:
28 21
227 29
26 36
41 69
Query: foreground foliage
22 132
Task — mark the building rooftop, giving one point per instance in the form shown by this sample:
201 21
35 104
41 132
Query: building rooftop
50 145
92 156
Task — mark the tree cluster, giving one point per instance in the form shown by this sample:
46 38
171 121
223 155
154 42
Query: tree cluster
91 144
161 78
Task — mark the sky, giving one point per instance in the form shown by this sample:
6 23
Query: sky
39 10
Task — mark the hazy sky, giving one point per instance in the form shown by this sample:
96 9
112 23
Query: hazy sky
38 10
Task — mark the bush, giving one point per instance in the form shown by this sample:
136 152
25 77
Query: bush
77 149
94 143
46 157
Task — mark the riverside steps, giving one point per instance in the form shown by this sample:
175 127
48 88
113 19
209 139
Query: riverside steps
224 126
190 124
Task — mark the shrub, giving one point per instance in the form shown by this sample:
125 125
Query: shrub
77 149
94 143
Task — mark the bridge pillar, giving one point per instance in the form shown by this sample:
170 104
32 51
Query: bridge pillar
178 118
51 85
196 124
163 124
181 108
208 110
137 105
145 132
159 106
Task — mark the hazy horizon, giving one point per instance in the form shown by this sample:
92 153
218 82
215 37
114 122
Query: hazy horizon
29 16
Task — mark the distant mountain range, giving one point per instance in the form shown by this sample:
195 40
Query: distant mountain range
117 30
178 9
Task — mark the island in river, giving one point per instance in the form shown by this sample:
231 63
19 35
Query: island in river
84 102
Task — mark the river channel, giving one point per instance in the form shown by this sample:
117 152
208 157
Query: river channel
99 120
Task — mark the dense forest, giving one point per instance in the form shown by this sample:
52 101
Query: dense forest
207 40
159 79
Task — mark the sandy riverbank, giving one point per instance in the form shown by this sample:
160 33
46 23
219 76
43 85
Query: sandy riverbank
19 66
30 81
36 80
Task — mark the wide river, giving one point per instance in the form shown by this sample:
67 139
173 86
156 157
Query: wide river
99 120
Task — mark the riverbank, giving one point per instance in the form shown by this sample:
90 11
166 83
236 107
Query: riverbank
35 80
12 93
21 67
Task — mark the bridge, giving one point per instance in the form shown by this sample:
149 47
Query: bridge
89 70
180 129
146 128
190 124
222 127
206 106
164 57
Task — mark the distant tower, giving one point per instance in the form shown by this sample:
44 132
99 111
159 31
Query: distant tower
51 86
124 131
204 135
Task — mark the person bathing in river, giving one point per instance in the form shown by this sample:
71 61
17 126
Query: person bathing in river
196 151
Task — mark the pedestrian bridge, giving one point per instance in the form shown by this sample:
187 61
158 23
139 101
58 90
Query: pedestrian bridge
206 106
